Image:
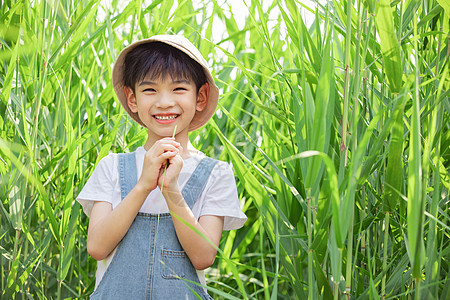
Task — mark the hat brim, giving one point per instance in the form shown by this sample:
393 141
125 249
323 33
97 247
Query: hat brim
184 45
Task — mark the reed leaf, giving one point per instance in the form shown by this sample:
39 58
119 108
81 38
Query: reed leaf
394 170
446 6
415 201
389 45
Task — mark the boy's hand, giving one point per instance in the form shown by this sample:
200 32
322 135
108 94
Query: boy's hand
154 161
170 179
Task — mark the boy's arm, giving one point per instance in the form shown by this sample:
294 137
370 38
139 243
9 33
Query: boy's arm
200 251
108 226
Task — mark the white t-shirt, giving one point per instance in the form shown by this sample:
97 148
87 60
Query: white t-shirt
219 197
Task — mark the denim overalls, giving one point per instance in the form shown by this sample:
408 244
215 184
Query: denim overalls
149 262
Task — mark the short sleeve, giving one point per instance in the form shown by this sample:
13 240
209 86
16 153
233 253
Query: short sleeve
100 185
221 198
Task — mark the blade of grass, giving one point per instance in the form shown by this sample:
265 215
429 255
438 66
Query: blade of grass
415 201
389 45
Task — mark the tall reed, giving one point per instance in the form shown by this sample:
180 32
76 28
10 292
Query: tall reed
338 131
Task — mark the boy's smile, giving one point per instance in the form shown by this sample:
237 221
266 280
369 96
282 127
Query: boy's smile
165 119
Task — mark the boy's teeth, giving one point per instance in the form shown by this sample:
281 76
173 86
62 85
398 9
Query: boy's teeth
165 117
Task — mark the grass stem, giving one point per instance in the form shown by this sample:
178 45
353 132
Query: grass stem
310 250
349 264
385 249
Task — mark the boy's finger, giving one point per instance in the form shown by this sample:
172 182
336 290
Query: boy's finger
168 144
169 147
168 155
161 149
168 139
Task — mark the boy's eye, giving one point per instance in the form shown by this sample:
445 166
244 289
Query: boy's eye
149 90
180 89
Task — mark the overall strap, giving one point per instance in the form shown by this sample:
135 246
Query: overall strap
127 173
197 182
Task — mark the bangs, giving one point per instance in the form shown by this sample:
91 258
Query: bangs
157 60
163 67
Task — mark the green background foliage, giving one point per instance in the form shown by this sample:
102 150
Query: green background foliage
337 128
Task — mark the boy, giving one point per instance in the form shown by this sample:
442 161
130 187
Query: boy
144 243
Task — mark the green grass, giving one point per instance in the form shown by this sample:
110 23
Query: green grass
338 132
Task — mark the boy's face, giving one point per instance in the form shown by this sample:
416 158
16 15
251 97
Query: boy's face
165 102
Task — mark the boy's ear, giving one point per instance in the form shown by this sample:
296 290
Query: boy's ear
202 97
131 99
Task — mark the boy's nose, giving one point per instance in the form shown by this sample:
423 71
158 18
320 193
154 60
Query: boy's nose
165 100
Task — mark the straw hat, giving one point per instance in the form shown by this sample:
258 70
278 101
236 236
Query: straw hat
183 44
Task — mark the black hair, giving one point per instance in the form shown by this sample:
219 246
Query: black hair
158 60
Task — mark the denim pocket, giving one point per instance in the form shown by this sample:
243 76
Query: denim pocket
173 264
